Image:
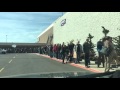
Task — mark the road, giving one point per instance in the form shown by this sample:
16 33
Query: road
28 63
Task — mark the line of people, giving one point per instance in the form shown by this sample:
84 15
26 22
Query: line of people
67 52
105 48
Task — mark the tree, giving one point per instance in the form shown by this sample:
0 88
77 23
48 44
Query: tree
71 41
105 31
116 40
90 37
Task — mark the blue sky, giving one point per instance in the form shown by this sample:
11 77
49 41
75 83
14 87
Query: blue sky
24 26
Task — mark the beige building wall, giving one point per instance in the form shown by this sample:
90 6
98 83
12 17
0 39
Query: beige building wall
43 38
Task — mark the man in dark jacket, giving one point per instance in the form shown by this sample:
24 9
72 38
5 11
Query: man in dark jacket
71 46
101 56
51 50
78 50
59 51
86 49
63 52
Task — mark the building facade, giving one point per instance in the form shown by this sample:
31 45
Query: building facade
77 25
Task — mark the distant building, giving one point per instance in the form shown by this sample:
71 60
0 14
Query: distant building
9 45
21 47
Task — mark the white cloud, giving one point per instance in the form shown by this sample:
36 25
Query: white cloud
24 26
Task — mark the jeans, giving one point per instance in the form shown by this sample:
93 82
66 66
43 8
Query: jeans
57 54
51 54
54 54
71 56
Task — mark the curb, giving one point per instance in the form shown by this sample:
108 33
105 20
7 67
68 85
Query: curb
72 64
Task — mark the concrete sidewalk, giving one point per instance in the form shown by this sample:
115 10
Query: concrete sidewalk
93 66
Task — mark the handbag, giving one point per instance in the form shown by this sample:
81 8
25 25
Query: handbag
104 50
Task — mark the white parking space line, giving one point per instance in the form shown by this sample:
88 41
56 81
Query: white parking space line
10 61
1 69
14 57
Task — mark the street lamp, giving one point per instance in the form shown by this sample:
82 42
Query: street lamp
6 38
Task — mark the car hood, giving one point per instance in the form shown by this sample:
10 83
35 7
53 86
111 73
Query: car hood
50 75
113 74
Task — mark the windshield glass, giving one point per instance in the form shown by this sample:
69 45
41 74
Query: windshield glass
58 44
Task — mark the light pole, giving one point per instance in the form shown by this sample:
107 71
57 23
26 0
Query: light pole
6 38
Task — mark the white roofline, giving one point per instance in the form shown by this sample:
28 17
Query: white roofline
50 26
45 30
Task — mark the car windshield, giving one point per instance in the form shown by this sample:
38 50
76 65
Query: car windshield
59 44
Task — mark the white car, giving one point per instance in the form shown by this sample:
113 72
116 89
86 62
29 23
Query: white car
3 51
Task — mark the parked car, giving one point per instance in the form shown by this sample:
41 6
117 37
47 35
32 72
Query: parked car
3 51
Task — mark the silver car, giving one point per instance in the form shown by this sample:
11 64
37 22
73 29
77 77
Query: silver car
3 51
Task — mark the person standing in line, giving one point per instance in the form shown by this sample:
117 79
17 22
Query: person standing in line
100 55
54 50
86 49
78 50
67 52
104 50
71 46
111 53
57 51
60 49
51 51
63 52
48 50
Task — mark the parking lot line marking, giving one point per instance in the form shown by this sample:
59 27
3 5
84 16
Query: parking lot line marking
10 61
1 70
